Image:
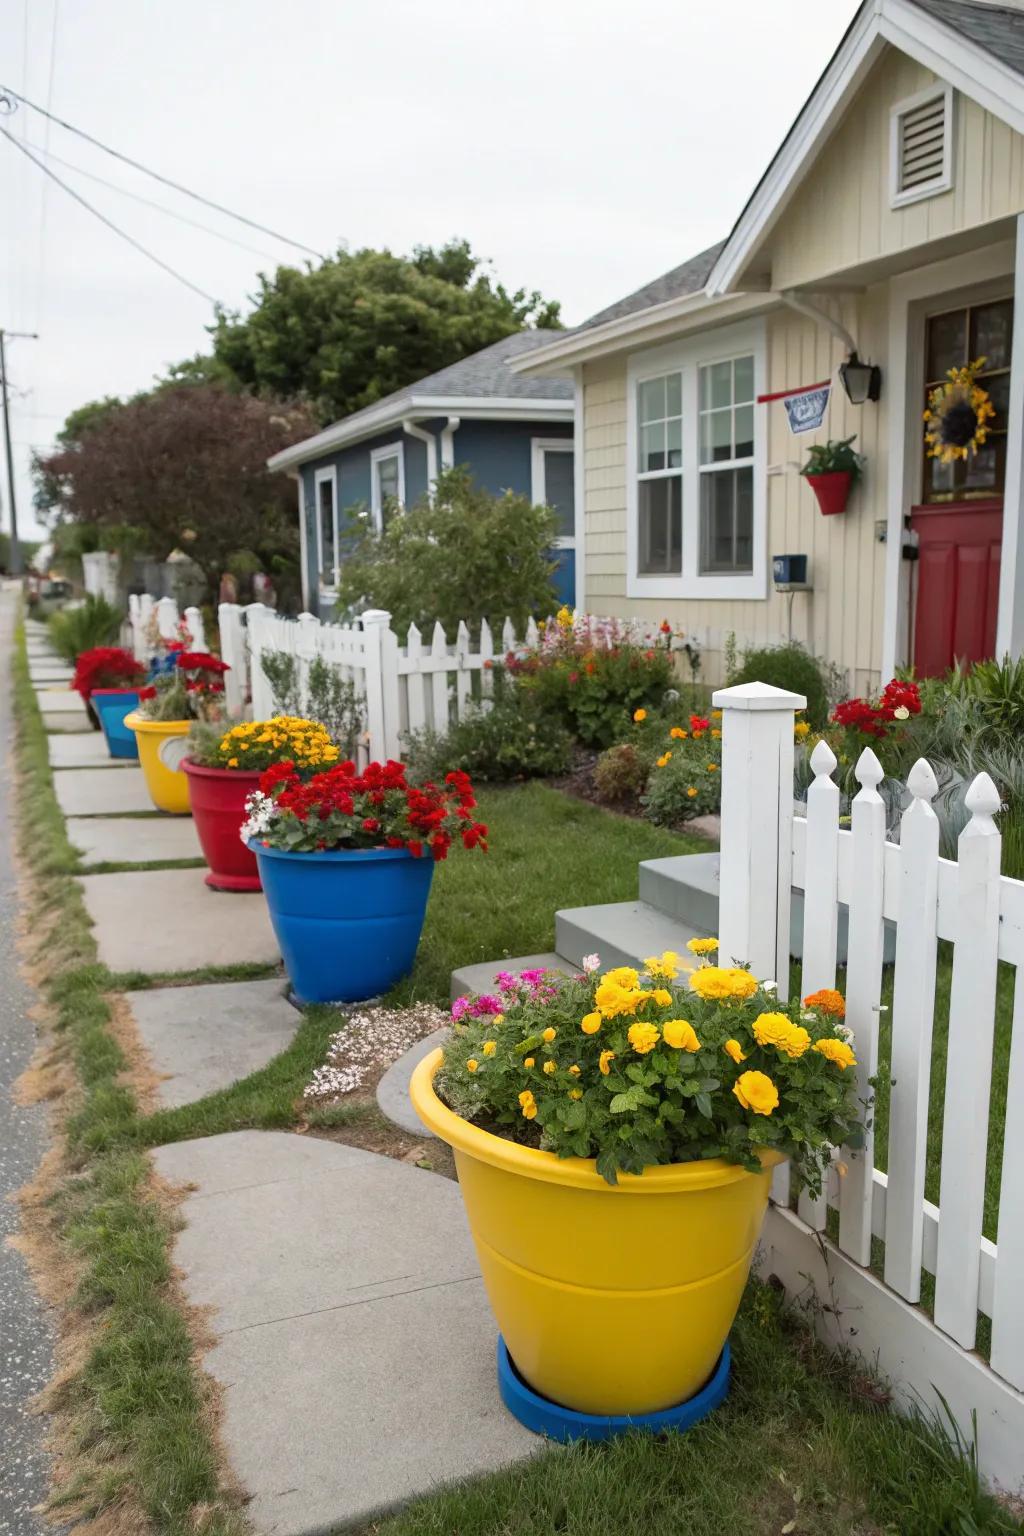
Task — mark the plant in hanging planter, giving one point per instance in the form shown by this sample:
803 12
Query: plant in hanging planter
193 690
115 671
832 470
614 1135
346 861
223 767
958 415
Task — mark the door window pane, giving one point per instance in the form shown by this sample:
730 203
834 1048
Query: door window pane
661 526
727 521
560 490
325 512
991 333
947 344
387 479
953 340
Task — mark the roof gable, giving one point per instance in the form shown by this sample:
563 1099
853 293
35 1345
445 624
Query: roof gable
977 48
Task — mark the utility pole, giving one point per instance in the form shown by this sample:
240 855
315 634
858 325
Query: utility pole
15 546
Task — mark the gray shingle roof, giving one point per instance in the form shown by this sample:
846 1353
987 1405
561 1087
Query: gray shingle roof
689 277
999 29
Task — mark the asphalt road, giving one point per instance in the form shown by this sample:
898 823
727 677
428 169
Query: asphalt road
25 1334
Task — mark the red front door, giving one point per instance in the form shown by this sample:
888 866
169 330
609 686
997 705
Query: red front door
957 583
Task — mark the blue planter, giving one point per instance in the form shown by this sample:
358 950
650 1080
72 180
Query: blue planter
347 921
111 705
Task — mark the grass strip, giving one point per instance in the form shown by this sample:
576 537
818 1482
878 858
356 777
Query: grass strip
140 1415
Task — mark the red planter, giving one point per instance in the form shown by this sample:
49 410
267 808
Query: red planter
832 490
218 798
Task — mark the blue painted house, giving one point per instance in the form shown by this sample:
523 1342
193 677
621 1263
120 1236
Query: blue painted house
511 432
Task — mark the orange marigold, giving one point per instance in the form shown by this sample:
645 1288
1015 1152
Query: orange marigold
827 1000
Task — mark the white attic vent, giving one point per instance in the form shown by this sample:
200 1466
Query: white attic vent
921 145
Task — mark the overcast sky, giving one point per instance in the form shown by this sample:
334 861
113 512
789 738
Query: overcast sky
583 146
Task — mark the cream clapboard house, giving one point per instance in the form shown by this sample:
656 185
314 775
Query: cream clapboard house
890 223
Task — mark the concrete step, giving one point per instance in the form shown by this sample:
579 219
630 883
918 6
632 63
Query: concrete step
621 932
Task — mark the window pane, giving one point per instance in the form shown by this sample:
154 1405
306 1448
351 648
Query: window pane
652 447
719 384
674 394
560 491
325 510
992 333
716 437
674 435
744 432
743 379
661 526
651 400
387 479
727 521
947 343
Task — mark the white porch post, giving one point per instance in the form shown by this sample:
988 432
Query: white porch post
1010 623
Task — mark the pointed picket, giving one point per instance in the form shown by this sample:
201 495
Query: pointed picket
532 634
486 660
972 1007
1007 1312
865 951
439 678
508 637
463 677
912 1010
415 682
821 910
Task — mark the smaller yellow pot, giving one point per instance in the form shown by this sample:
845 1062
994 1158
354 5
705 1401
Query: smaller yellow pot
162 746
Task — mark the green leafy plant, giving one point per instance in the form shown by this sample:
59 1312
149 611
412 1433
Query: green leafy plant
91 623
834 457
997 690
329 698
634 1068
686 780
511 739
791 667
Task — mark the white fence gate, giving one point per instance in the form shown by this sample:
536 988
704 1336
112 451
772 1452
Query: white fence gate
764 851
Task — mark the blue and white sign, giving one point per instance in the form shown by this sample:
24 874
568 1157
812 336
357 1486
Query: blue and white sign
806 410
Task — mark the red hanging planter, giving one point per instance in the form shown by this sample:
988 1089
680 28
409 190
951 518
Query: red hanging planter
832 490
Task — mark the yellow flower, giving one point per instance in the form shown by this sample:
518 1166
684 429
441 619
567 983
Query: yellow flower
563 618
734 1051
643 1038
499 1018
575 1093
677 733
836 1051
529 1105
549 1034
716 714
757 1092
666 964
639 715
778 1030
623 976
550 1066
712 981
472 1064
680 1035
574 1071
800 729
617 992
590 1023
702 946
691 793
664 759
530 1061
232 762
712 767
662 997
490 1046
605 1058
717 735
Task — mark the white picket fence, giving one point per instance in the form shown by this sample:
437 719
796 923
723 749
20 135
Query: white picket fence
764 851
141 608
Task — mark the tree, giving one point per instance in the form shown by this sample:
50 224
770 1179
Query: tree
183 468
465 555
364 324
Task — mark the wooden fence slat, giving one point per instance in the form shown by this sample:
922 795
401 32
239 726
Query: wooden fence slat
463 681
415 683
865 950
972 1006
486 660
913 1007
508 637
439 680
821 912
167 618
1007 1312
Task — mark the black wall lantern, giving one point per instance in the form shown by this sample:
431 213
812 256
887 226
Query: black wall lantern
862 381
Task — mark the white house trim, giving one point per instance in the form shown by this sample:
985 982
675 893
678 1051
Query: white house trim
448 432
904 388
430 441
326 476
395 450
1010 622
914 32
686 356
303 540
539 447
580 473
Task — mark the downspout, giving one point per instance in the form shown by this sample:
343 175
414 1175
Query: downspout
430 440
448 432
820 317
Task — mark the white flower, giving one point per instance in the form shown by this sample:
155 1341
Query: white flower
262 813
901 712
591 962
768 986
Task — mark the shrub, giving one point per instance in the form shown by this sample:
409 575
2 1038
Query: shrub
463 555
686 780
790 666
91 623
329 698
620 775
511 740
996 688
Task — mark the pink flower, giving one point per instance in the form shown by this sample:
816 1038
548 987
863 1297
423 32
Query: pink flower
506 981
591 962
459 1008
534 977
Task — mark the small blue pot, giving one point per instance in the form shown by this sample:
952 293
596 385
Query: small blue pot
348 921
112 705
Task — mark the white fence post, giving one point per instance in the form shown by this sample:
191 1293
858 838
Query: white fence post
375 622
167 618
233 652
194 620
257 619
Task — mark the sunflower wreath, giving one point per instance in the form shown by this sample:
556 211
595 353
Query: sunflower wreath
958 415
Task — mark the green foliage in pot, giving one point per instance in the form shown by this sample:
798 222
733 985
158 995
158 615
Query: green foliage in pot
837 456
91 623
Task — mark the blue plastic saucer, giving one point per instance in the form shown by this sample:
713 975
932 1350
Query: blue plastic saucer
546 1418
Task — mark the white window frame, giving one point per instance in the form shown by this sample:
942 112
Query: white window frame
329 477
944 181
377 456
539 446
687 357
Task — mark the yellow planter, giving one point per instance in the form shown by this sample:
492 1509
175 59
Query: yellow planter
611 1299
161 748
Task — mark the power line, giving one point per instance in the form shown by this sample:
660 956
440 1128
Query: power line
149 203
104 220
177 186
